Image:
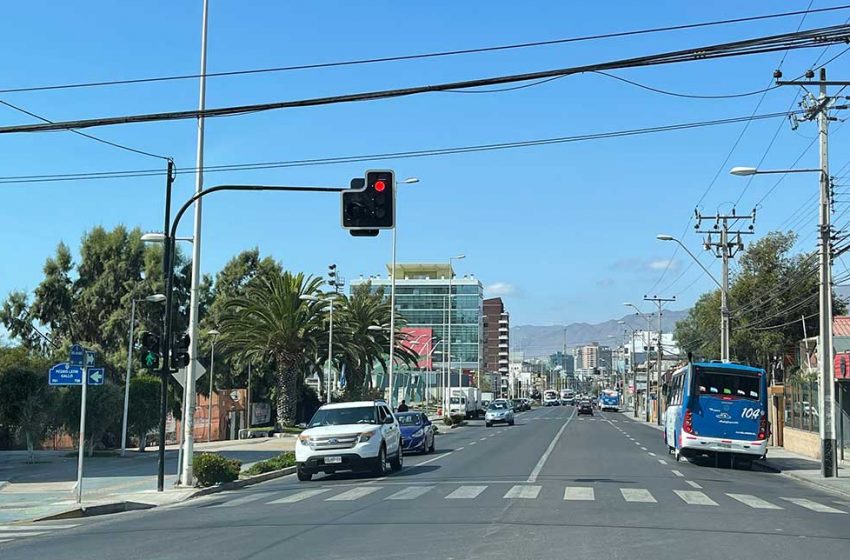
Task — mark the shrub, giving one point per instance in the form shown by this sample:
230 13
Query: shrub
212 468
458 418
447 420
285 459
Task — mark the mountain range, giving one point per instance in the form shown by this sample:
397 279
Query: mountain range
541 341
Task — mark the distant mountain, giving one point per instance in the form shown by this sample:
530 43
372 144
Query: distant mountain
540 341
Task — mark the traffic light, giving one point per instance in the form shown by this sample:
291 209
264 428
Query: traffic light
149 356
370 205
332 275
180 351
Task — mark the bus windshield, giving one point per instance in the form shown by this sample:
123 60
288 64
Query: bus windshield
724 383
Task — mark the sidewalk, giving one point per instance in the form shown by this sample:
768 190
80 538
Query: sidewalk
29 491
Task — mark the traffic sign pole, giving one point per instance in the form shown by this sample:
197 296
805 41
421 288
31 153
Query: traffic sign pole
82 443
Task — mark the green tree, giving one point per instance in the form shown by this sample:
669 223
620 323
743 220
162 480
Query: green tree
103 412
143 409
271 321
25 399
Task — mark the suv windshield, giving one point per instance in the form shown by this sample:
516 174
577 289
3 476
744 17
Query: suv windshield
409 419
498 406
336 416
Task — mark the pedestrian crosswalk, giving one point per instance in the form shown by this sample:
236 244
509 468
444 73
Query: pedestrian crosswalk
696 496
10 533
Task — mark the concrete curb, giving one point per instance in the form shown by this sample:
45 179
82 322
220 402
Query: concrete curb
766 466
100 509
241 483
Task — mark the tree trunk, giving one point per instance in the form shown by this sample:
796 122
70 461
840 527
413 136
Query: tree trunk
30 449
143 441
286 390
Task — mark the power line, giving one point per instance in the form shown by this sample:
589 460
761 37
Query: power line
798 40
422 56
118 174
687 95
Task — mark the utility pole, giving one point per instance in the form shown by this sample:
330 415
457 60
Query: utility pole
659 353
817 108
724 249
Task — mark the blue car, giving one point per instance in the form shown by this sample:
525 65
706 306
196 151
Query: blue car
417 432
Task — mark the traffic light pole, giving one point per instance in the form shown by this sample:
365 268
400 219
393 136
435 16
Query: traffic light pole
164 370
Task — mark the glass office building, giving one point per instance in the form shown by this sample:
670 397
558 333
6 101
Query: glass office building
424 295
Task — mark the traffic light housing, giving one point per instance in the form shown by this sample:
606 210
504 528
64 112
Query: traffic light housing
332 275
180 351
370 205
149 355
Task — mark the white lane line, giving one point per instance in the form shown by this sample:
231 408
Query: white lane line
482 439
40 528
459 449
677 473
524 492
642 448
651 454
662 461
238 501
466 493
353 494
693 484
539 466
637 495
431 460
694 497
4 540
472 442
410 493
752 501
579 493
298 496
814 506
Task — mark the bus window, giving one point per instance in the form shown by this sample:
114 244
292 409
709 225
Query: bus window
728 384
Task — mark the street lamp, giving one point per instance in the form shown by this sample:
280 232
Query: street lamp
825 350
154 298
449 337
646 359
214 334
158 237
724 287
330 309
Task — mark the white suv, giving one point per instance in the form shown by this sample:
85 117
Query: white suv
351 436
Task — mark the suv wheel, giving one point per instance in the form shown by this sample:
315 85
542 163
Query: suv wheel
303 476
381 465
398 462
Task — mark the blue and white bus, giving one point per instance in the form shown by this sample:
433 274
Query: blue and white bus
717 409
609 399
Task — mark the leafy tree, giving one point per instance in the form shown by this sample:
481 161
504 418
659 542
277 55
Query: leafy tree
143 409
103 411
25 400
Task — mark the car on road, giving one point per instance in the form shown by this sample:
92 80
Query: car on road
585 407
551 398
528 403
499 412
352 436
519 405
417 432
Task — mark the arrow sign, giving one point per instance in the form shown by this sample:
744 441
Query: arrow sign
96 375
182 373
90 355
64 374
76 356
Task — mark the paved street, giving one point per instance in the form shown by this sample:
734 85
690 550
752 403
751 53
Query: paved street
601 486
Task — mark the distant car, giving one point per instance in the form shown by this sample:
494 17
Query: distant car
585 407
519 405
499 412
528 403
417 432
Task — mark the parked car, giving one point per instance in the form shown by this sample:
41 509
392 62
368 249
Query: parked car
519 405
585 407
499 412
352 436
417 432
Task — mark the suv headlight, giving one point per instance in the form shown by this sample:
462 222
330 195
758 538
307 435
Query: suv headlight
365 436
304 440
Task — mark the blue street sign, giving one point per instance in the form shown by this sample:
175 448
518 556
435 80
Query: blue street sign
64 374
96 375
90 354
77 355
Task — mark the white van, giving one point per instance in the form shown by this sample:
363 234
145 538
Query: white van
551 398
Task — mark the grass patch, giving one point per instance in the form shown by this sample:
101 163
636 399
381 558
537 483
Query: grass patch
285 459
291 430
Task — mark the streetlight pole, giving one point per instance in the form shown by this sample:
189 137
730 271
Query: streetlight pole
646 361
449 345
214 333
155 298
328 364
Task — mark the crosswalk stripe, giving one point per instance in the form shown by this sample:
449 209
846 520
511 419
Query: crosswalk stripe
523 491
814 506
353 494
752 501
693 484
298 496
637 495
410 493
651 454
677 473
695 498
238 501
583 493
466 493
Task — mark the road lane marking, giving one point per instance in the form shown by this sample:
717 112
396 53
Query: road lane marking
579 493
637 495
410 493
539 466
752 501
298 496
693 484
466 493
482 439
353 494
524 492
694 497
677 473
651 454
472 442
814 506
238 501
431 460
37 528
19 535
642 448
662 461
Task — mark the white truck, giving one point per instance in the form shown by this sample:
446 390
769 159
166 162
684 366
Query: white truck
486 398
466 401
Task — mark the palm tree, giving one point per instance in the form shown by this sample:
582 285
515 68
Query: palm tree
271 321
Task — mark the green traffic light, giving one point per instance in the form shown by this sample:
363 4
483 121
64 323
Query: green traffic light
150 359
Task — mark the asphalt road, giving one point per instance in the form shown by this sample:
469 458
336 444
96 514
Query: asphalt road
553 486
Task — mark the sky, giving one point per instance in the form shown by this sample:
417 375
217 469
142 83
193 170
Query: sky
563 233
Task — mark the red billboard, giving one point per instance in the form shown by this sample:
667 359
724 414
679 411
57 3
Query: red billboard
419 340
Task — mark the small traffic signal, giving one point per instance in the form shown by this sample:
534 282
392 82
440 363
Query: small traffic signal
180 353
370 204
332 275
149 355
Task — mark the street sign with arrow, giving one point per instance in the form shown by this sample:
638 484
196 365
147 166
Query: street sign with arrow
95 375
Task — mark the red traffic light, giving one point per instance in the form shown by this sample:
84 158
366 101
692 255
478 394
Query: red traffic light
380 186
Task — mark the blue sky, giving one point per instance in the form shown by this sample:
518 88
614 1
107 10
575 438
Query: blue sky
564 233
